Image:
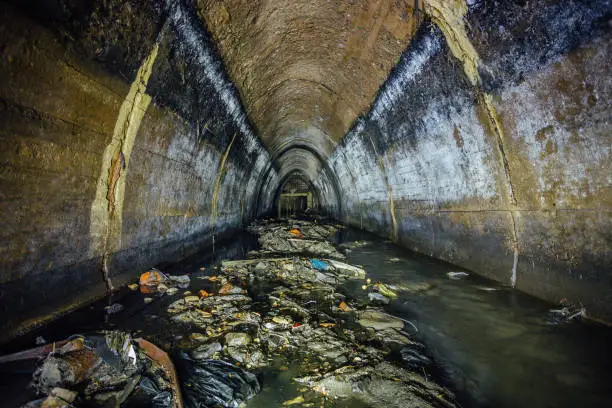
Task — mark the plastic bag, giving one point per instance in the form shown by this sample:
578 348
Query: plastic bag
213 383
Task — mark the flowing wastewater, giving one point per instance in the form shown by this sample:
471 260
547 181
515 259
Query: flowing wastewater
490 345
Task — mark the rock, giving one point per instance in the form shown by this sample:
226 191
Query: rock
226 289
148 300
256 359
392 337
182 281
133 286
64 394
347 270
375 297
379 320
161 288
237 339
325 278
261 266
198 337
237 354
282 320
413 357
382 386
172 291
194 300
40 340
206 351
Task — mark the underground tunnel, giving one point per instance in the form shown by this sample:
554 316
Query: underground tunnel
335 203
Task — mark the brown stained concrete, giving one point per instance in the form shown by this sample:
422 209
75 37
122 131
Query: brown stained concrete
59 110
307 68
508 179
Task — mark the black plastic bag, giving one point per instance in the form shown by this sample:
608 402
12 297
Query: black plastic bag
214 383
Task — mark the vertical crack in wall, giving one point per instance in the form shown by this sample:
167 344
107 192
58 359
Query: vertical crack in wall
215 197
107 207
389 189
449 16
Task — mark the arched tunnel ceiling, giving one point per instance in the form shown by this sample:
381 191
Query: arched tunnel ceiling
306 69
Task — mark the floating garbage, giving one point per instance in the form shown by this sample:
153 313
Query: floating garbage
565 314
378 298
385 290
457 275
296 232
344 307
319 265
114 308
150 279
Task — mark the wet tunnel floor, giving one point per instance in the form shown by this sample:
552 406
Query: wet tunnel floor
492 346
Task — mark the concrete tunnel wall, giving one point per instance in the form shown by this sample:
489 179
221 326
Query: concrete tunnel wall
125 145
489 147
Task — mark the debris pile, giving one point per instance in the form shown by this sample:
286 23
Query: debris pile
284 308
295 237
290 311
106 369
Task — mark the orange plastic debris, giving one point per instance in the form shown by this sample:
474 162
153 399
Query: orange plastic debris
149 281
151 278
226 289
296 232
344 307
203 293
212 278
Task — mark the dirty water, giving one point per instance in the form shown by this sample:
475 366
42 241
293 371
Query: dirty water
493 346
490 345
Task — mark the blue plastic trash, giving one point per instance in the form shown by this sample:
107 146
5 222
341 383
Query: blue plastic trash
319 265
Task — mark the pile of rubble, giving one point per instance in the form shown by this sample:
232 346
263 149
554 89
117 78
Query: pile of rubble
244 318
294 237
105 369
290 311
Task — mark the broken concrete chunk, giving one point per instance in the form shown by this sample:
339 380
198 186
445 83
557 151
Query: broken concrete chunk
346 269
378 298
379 320
237 339
206 351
